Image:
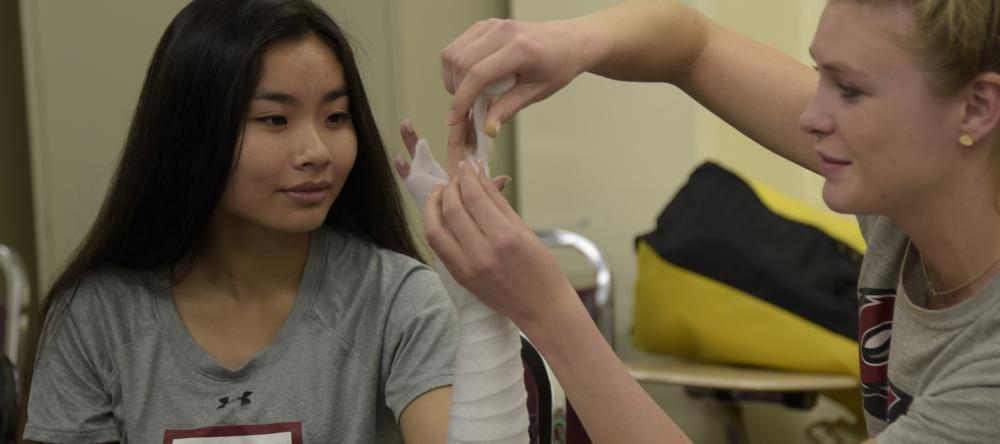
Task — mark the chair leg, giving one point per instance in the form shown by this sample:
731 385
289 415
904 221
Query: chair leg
736 431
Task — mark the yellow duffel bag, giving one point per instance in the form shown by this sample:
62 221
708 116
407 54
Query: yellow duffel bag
737 273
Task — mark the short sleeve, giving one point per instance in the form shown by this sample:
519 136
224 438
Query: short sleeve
966 414
421 340
69 400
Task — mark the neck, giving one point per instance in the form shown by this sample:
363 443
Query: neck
957 232
246 262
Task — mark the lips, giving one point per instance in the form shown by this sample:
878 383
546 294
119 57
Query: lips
308 193
308 187
830 167
833 160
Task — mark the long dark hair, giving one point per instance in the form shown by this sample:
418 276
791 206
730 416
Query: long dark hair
182 142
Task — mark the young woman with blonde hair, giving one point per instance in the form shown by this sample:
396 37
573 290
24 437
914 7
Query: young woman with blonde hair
900 116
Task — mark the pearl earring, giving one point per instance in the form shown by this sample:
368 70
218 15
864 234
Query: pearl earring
966 140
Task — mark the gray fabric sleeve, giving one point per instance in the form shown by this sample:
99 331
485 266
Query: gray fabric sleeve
69 400
420 342
965 414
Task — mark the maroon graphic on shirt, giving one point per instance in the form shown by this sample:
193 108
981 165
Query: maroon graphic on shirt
874 334
279 433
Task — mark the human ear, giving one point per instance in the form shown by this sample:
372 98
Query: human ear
982 106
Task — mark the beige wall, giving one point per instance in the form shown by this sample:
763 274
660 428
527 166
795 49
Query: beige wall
86 61
16 217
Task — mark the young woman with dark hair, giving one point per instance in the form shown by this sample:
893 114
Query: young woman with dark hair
251 271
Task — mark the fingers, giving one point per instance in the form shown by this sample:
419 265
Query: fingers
495 66
500 182
505 106
493 192
409 135
449 55
456 235
410 141
461 58
479 204
458 144
402 166
438 237
465 229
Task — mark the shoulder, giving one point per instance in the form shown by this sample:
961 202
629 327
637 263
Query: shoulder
366 294
108 301
353 274
113 289
347 252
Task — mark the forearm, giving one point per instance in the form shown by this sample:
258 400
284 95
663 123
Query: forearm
610 403
642 40
755 88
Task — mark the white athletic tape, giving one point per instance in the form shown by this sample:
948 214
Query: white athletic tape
489 399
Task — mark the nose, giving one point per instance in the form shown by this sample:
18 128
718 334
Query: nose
815 119
311 151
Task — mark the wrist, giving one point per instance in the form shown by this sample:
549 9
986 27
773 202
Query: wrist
565 315
593 42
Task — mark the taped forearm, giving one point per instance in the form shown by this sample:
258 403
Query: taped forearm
489 397
488 404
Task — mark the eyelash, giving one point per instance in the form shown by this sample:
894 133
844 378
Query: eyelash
340 116
275 120
848 92
271 120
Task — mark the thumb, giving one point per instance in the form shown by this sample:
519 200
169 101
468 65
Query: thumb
505 106
500 182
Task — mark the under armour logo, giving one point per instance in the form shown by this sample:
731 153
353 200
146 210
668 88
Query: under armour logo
244 400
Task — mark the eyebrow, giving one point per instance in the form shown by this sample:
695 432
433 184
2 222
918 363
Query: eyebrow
837 67
288 99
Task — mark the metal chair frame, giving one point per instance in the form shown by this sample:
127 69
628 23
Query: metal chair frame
562 426
602 284
17 291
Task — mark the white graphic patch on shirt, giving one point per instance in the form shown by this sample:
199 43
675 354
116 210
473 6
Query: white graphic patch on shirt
279 433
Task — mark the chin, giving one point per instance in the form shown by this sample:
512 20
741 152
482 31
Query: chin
294 223
838 201
304 220
301 226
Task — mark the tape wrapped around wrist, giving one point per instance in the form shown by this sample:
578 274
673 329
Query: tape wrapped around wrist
489 396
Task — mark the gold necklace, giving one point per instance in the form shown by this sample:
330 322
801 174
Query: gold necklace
931 292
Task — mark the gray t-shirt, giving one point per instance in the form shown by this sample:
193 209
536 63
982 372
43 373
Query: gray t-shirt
370 330
927 375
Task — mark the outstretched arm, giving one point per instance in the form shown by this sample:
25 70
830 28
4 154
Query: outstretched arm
755 88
